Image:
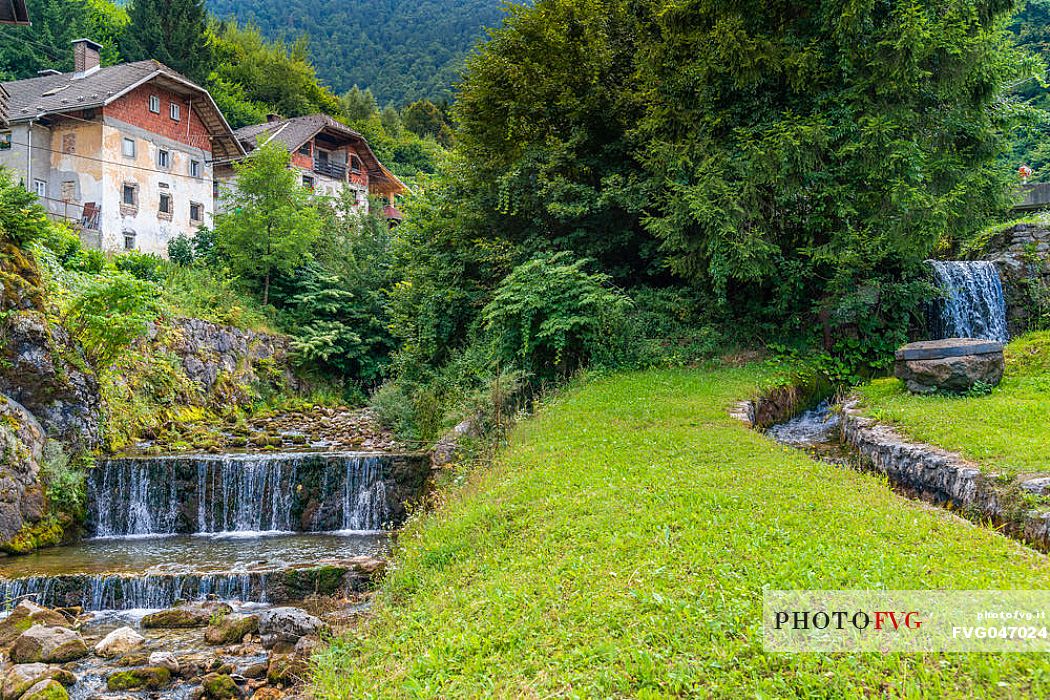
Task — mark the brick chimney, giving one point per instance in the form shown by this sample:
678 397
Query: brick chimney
272 117
86 57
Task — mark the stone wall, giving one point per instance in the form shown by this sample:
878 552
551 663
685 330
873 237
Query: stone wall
224 362
40 366
22 499
1022 254
942 477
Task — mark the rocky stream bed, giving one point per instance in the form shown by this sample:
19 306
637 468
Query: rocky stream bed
208 649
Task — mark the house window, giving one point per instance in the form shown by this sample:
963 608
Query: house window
196 212
165 203
176 112
355 163
69 191
305 149
40 187
129 148
129 196
195 168
163 159
154 104
129 240
308 182
5 140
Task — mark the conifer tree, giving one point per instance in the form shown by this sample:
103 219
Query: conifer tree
173 32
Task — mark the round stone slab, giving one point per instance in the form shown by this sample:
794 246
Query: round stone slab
954 365
949 347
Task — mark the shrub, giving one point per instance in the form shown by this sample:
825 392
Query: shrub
549 316
180 250
22 219
144 266
109 312
65 481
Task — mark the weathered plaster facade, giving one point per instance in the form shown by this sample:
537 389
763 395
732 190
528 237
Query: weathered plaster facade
133 167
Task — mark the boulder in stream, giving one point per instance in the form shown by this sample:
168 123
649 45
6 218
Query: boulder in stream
186 616
150 677
166 659
119 642
47 689
231 628
219 686
49 645
21 677
25 615
287 625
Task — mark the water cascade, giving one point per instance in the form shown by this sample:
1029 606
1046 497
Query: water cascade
973 306
291 492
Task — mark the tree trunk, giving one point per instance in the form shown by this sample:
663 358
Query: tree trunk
266 289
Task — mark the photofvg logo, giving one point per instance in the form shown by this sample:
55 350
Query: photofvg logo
894 621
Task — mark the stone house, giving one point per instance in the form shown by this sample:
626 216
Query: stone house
330 157
124 153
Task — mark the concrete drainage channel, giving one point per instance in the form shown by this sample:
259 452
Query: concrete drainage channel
843 435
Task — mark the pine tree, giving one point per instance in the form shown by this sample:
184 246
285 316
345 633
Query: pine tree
173 32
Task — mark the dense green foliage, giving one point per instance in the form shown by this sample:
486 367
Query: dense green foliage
619 548
45 44
403 50
109 312
174 32
1004 430
793 195
551 317
271 222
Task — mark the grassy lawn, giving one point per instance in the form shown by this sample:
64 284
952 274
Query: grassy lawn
619 546
1008 430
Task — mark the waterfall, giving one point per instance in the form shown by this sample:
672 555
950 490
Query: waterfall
238 493
128 592
974 306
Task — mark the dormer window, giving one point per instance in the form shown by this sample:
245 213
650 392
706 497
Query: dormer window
154 104
355 163
176 112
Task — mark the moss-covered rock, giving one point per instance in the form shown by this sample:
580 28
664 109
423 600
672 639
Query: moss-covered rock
46 690
231 628
186 616
287 670
150 677
48 645
219 686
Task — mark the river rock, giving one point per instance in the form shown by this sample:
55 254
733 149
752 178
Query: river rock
231 628
151 677
25 615
954 365
119 642
219 686
287 670
166 659
47 689
20 677
287 625
186 616
48 644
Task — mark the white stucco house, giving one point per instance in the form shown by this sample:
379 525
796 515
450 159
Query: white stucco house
125 153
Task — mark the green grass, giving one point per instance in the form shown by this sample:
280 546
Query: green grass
619 546
1007 430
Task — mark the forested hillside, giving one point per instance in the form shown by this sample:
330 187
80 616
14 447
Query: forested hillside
404 50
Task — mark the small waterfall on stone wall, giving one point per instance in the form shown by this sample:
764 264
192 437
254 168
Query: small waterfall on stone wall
128 592
237 493
974 306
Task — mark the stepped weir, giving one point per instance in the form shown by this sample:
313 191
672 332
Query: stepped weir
261 528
